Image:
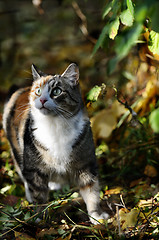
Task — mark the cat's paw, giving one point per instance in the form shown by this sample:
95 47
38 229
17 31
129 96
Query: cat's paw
54 186
96 218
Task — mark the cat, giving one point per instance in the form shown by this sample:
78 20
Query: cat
51 139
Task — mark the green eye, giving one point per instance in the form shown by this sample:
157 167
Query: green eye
56 91
38 91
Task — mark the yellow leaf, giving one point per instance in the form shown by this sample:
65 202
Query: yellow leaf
128 219
148 96
106 120
116 190
22 236
145 203
46 231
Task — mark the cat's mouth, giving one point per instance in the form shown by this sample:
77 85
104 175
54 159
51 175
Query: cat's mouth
44 110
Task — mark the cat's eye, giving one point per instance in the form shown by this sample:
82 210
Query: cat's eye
56 91
38 91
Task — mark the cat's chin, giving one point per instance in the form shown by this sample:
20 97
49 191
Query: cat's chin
45 111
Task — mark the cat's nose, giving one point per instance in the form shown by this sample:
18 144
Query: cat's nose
43 100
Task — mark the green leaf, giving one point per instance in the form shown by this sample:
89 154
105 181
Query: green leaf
101 39
27 216
114 26
61 231
154 120
112 63
125 42
93 94
107 9
127 18
154 17
141 13
153 43
130 7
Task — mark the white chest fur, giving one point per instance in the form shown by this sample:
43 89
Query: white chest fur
57 135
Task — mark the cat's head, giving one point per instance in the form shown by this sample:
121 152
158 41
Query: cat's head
57 95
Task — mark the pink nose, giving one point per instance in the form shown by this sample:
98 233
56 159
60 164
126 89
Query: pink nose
43 100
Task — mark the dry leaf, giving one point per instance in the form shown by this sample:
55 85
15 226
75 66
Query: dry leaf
46 231
148 96
150 171
22 236
135 182
127 218
106 120
116 190
145 203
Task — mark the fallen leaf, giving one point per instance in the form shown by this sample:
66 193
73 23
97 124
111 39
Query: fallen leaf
150 171
22 236
135 182
148 96
116 190
106 120
10 200
46 231
127 218
145 203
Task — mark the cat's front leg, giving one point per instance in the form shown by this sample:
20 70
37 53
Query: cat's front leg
90 194
36 186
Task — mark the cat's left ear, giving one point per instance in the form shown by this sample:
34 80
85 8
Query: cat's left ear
72 74
36 72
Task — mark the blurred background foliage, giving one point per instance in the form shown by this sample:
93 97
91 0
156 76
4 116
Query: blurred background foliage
116 45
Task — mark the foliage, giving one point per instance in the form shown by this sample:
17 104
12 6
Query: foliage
125 21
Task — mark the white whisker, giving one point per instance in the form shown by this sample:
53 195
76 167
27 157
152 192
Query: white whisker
21 113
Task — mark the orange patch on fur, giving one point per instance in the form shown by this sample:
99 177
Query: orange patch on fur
21 105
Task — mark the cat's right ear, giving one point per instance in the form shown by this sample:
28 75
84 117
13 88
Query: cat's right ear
36 72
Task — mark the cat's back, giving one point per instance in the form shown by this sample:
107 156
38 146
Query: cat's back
15 112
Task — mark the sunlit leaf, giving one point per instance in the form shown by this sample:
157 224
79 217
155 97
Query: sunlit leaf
127 18
154 120
116 190
153 43
130 7
5 189
107 9
127 218
93 94
105 121
114 26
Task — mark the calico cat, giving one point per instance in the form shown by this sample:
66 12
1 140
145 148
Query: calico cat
50 138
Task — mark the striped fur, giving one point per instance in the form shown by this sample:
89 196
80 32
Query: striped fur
51 139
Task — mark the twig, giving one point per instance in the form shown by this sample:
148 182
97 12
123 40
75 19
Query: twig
134 119
118 219
3 234
121 198
83 26
69 218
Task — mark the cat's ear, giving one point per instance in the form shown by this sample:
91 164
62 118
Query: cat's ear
72 74
36 72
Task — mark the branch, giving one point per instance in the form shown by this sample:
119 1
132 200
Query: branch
134 120
83 26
